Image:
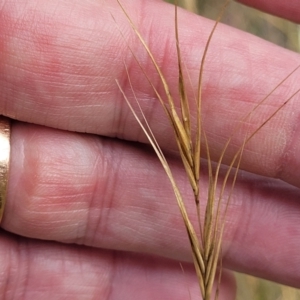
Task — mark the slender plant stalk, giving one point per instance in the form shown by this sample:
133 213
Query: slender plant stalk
205 238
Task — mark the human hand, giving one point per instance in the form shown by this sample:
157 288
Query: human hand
89 209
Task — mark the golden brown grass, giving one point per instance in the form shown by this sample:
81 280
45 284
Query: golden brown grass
205 237
285 34
271 28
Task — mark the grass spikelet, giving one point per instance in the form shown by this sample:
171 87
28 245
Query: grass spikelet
206 236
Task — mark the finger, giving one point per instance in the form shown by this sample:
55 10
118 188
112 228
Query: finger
40 270
288 10
64 76
106 193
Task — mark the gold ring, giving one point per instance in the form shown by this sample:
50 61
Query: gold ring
4 160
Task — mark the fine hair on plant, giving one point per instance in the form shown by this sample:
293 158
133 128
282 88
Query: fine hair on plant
205 237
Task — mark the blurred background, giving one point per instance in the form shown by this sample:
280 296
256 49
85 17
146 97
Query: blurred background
273 29
285 34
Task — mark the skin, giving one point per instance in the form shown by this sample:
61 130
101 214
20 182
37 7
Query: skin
85 191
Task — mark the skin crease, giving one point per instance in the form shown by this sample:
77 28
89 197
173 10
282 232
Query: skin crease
106 192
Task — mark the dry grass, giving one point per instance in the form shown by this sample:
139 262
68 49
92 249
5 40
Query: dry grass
285 34
206 235
273 29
